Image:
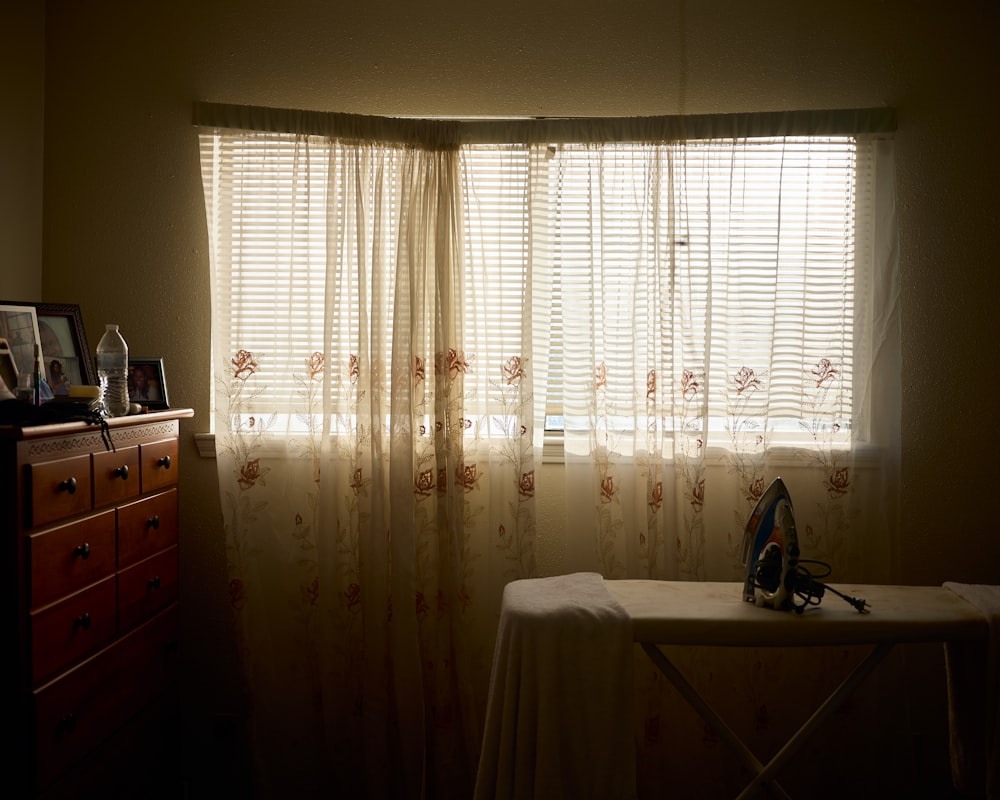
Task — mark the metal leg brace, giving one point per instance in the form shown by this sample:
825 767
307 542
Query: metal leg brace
765 774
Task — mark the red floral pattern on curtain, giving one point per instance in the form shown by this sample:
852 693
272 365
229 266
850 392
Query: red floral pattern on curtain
373 520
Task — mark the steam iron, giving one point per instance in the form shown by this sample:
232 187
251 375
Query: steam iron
771 550
775 572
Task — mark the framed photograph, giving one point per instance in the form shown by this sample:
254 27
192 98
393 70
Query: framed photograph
147 384
66 358
19 327
64 347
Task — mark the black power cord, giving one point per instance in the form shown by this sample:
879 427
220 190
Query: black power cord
802 583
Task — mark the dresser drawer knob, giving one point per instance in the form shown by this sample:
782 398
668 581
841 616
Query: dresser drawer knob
153 522
82 550
66 725
68 485
154 583
163 462
121 472
83 621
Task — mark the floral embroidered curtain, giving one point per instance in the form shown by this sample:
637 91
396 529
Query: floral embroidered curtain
737 323
728 338
376 499
400 307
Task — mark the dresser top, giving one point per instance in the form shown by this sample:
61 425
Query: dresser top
17 432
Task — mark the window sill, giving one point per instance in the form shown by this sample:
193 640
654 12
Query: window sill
206 444
869 455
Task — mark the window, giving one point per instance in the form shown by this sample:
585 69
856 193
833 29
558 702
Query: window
739 222
726 252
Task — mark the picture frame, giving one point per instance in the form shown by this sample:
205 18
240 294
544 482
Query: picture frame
19 328
66 356
147 382
68 342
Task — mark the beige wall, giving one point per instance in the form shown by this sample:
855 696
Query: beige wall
124 232
22 87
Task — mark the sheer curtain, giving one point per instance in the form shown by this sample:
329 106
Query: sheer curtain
730 315
376 498
696 304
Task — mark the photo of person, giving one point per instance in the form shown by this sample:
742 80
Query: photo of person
143 385
58 380
57 345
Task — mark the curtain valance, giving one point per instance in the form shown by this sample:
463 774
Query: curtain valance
445 133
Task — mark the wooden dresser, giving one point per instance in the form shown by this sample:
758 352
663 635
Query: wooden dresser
90 583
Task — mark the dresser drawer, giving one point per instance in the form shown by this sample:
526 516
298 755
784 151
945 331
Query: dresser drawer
59 489
85 705
116 476
146 587
159 465
146 527
64 632
70 557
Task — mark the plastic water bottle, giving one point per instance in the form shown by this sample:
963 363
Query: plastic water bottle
112 372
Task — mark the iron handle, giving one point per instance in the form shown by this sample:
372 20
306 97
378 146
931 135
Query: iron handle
68 485
82 550
121 472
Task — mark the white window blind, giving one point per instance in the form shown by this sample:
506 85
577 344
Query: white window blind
267 211
766 236
761 233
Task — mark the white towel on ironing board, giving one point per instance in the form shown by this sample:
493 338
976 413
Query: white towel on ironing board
974 699
559 716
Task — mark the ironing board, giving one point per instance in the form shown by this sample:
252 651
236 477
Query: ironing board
714 614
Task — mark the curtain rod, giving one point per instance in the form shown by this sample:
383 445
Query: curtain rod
454 132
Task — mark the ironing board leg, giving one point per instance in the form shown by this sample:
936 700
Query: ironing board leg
831 704
764 774
689 693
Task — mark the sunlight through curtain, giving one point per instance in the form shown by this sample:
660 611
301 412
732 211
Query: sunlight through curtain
376 495
730 315
692 307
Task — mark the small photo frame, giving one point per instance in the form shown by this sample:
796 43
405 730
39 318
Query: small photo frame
19 328
147 384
